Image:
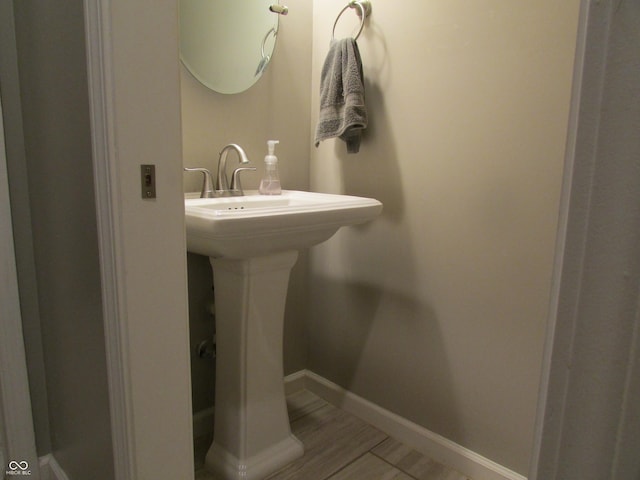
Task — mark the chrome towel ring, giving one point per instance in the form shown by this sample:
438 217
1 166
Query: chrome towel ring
364 10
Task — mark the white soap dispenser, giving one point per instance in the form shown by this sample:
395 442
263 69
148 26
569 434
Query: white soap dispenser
270 183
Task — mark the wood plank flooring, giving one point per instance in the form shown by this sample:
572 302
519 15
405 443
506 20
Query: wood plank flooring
340 446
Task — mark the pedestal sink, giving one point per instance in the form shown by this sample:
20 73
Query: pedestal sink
253 242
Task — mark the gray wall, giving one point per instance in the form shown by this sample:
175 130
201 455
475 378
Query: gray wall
21 217
57 144
437 311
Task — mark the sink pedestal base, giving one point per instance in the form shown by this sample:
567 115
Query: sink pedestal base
252 436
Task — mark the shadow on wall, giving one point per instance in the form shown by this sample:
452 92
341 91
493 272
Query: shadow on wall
374 171
358 304
366 333
370 329
352 323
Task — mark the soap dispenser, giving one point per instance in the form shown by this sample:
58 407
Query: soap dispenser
270 183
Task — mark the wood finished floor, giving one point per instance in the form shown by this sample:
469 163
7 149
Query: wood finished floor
340 446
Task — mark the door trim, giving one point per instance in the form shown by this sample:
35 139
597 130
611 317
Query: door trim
134 121
104 145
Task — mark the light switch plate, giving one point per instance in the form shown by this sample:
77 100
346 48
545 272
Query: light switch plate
148 181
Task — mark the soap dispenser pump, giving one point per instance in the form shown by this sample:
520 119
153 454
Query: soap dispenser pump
270 183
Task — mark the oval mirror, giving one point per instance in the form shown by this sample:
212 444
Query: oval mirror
227 44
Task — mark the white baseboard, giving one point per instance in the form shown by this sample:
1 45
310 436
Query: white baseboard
295 382
50 469
419 438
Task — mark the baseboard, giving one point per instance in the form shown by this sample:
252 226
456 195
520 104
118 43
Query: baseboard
424 441
50 469
295 382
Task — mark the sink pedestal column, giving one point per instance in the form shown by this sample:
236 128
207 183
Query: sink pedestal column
252 436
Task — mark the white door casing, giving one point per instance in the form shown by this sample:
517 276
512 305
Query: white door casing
133 67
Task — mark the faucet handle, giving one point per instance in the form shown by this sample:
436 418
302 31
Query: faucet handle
236 187
207 181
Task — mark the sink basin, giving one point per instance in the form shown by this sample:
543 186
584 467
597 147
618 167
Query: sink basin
256 225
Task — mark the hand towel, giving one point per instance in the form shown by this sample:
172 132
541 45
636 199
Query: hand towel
342 110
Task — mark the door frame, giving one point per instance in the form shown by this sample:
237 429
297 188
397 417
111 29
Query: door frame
576 210
135 122
592 353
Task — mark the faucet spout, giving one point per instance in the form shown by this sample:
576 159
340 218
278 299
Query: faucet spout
222 182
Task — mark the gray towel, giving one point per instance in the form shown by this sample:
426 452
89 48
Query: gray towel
342 110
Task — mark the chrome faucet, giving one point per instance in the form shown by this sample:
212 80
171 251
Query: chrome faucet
222 182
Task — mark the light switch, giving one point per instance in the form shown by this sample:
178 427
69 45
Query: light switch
148 181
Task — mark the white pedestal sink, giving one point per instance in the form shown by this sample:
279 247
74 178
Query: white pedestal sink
253 243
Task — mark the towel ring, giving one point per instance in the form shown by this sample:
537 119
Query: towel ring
364 11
